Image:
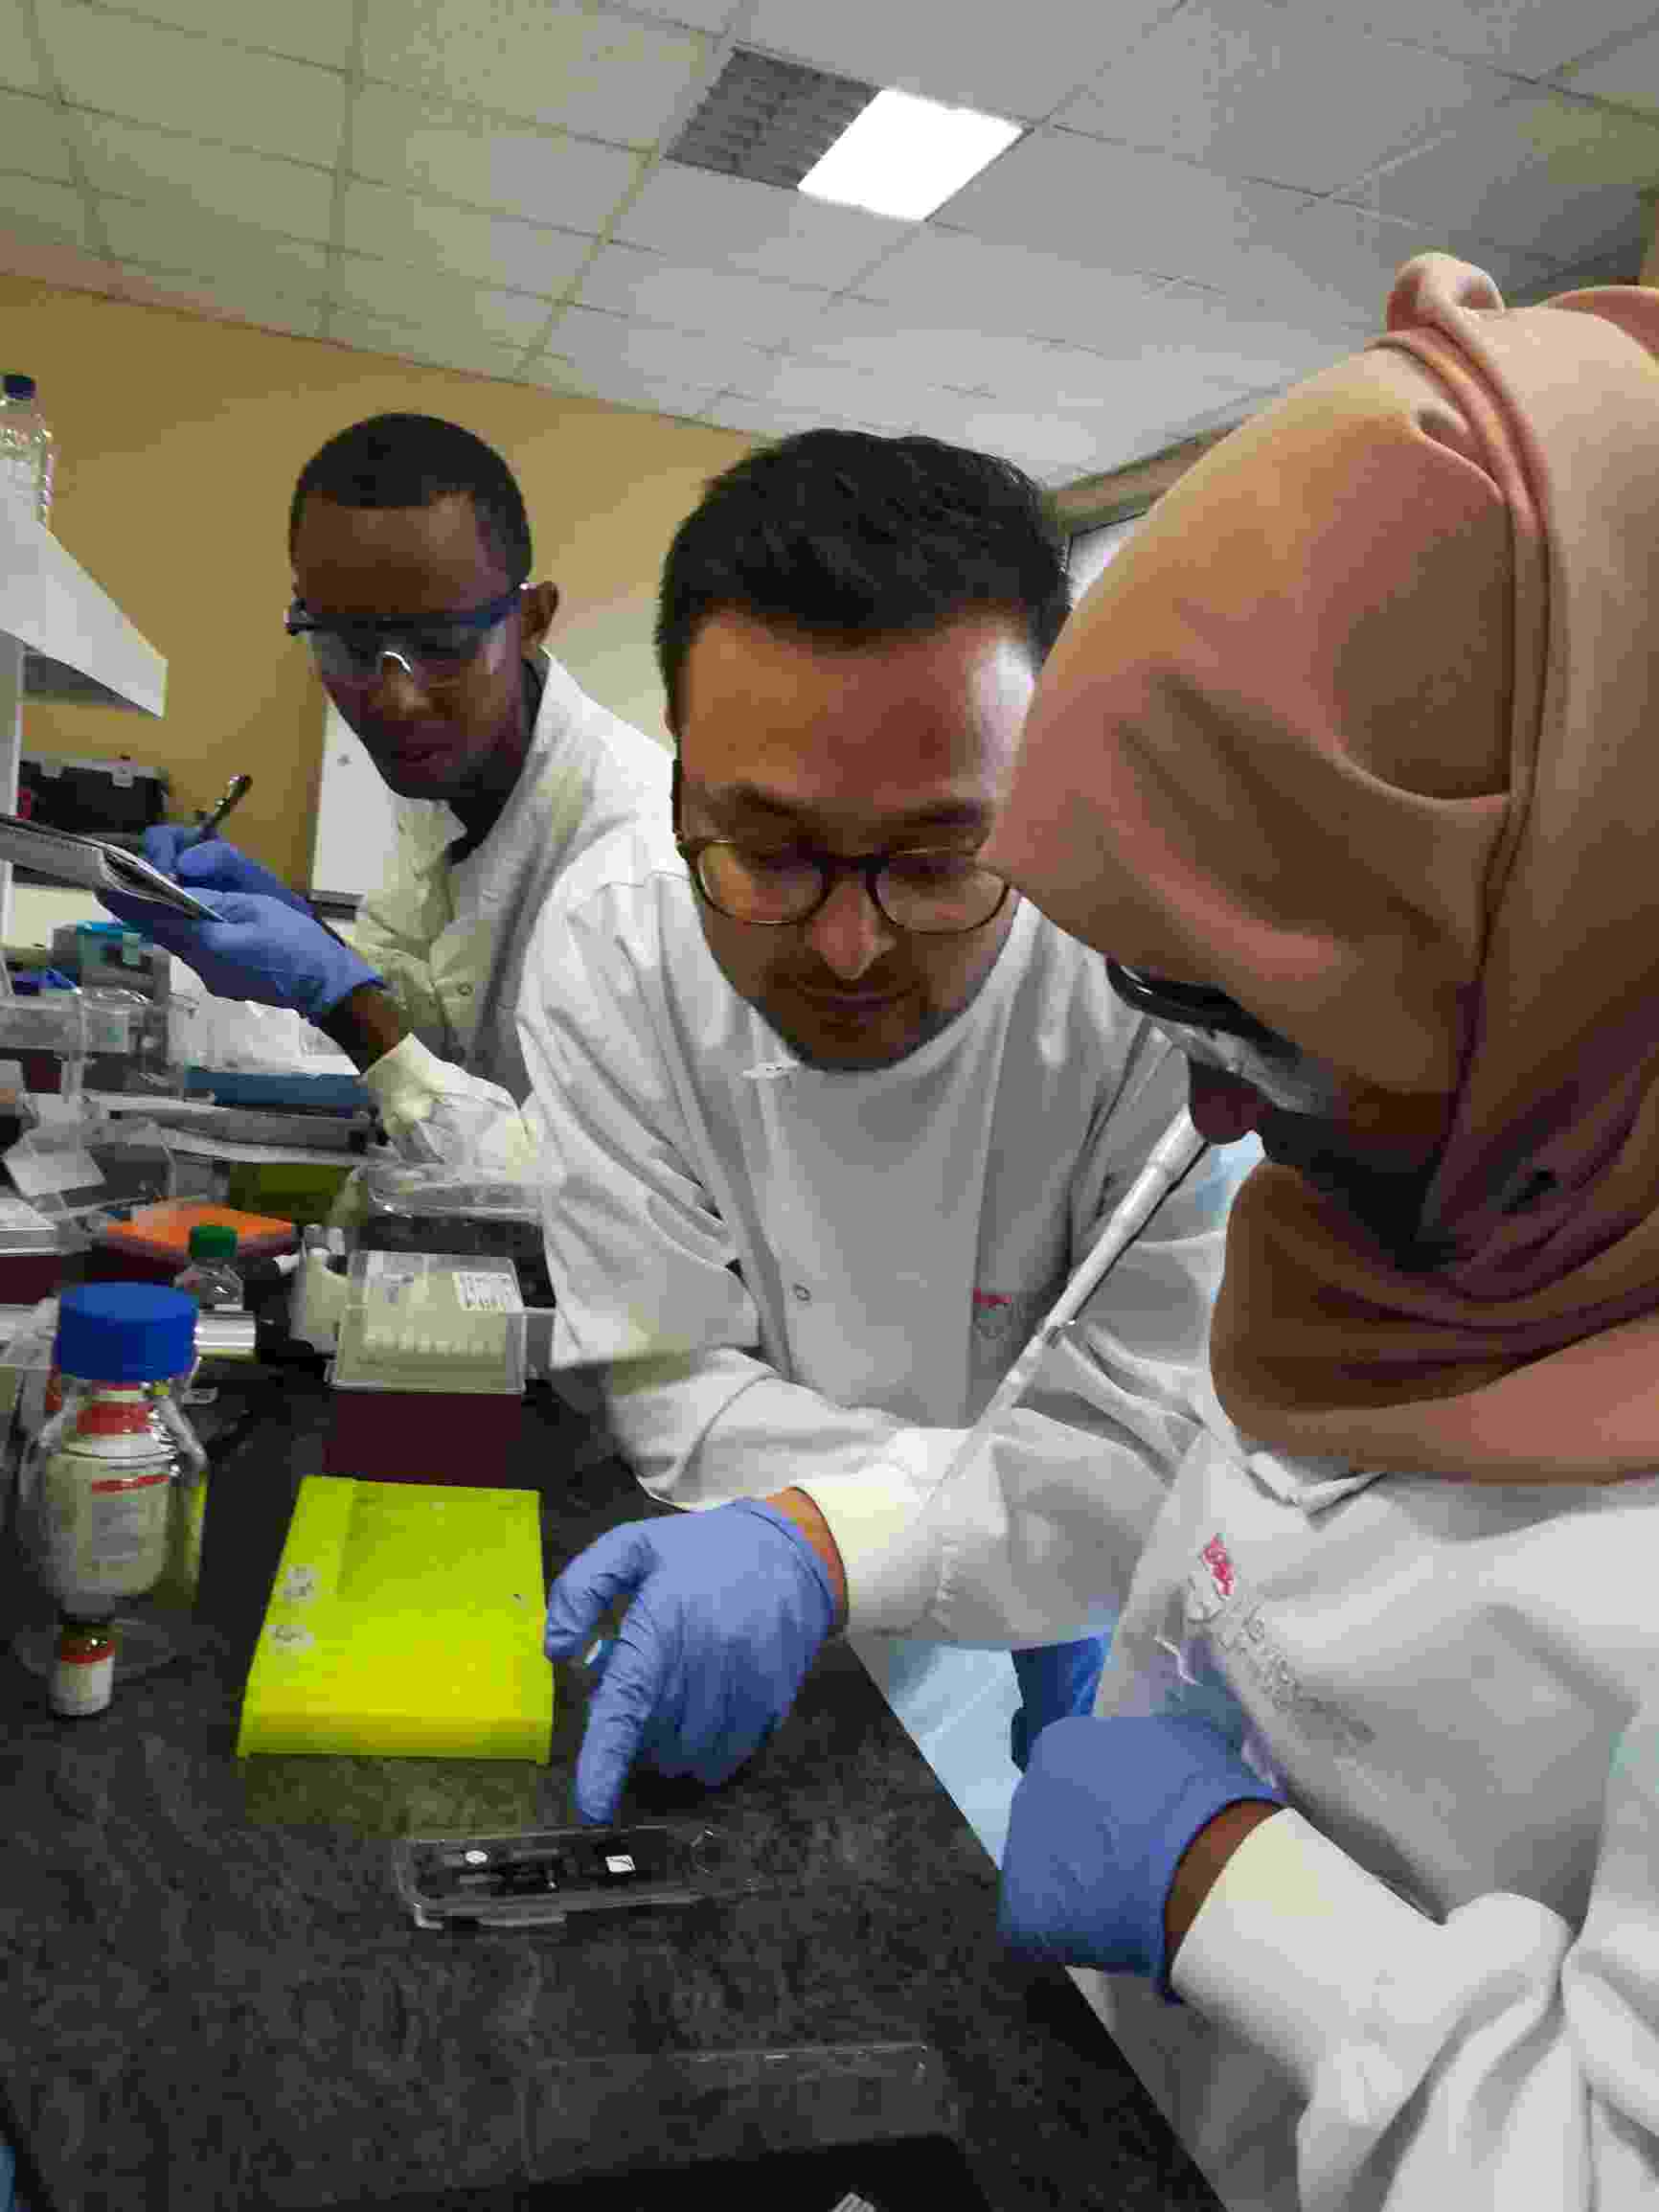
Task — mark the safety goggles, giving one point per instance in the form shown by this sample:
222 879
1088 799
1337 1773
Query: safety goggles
1216 1030
434 650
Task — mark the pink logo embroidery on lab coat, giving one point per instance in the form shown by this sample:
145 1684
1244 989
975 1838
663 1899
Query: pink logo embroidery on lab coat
985 1299
1214 1556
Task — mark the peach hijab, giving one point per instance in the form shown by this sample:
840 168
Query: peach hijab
1362 727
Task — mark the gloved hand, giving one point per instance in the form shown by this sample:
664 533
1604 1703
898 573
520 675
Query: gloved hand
1096 1830
729 1609
259 948
1055 1682
212 865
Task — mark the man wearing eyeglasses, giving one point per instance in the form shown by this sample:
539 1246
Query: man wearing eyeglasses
411 553
830 1114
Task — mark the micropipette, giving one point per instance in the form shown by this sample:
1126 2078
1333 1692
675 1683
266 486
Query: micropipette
1174 1157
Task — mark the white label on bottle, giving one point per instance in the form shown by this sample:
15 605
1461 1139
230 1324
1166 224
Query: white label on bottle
82 1685
107 1532
486 1294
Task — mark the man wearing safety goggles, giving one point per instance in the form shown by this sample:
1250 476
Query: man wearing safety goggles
411 555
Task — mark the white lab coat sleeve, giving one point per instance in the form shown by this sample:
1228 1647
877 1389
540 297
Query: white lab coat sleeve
643 1270
1036 1536
1496 2060
436 1114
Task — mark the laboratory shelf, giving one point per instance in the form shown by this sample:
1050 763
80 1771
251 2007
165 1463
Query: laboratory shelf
76 643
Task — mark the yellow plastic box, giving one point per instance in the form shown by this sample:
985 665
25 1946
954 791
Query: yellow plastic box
406 1622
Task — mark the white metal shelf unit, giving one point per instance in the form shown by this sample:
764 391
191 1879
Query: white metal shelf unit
61 637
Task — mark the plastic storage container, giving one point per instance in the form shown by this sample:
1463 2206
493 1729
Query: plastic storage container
27 450
113 1490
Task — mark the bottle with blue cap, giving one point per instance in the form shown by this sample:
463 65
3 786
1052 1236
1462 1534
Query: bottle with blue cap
112 1492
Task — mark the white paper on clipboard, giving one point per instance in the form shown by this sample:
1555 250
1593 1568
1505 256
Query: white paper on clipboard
92 865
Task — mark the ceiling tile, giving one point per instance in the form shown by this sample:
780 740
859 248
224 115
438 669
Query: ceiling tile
1227 340
31 140
305 29
700 14
878 337
547 177
595 342
179 237
755 228
1013 61
438 345
549 59
128 68
1117 208
621 387
628 281
44 212
1629 75
945 276
1532 37
1545 173
1328 257
1245 87
139 163
495 249
19 62
886 401
1052 438
234 293
438 302
1066 381
763 420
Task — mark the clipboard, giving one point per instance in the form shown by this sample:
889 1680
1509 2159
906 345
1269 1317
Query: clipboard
92 865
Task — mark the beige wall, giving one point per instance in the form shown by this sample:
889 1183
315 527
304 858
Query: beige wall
179 443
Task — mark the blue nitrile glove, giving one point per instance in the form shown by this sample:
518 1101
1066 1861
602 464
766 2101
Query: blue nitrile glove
259 948
1096 1830
1055 1682
214 865
729 1609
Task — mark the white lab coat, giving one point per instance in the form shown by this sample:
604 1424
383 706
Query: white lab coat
795 1273
451 941
1436 1979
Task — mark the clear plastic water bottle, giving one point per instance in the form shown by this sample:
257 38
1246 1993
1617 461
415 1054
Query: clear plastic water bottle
211 1278
27 450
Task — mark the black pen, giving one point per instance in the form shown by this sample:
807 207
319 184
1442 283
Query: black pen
234 797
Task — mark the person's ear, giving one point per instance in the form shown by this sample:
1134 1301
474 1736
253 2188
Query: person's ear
538 604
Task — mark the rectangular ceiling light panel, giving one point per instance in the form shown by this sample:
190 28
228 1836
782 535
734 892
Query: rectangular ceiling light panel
905 156
835 138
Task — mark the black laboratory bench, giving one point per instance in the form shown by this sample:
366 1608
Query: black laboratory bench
212 1996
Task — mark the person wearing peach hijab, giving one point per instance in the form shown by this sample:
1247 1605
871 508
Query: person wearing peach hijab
1349 767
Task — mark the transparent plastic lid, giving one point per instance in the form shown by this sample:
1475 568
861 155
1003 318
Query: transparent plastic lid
433 1321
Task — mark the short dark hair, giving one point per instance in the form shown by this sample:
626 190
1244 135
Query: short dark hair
846 535
411 461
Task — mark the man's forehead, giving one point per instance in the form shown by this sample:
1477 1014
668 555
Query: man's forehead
791 800
397 559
